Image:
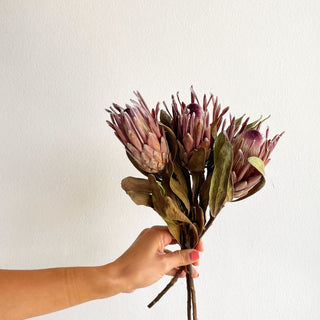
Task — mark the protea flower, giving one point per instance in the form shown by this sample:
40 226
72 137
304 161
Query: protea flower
248 142
191 124
139 131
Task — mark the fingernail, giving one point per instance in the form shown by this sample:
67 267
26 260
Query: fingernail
194 255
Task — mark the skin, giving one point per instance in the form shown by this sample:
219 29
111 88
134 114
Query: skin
29 293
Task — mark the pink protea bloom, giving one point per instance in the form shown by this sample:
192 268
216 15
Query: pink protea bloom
247 141
192 126
139 131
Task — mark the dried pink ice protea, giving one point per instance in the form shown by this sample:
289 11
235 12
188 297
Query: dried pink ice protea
139 131
192 126
250 150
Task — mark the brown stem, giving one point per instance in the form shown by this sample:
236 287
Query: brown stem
189 296
168 286
207 226
193 292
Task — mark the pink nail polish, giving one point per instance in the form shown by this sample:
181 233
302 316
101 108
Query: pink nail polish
194 255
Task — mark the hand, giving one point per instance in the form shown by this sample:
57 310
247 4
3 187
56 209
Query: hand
147 260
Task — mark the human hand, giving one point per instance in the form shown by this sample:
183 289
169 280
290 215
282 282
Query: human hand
147 260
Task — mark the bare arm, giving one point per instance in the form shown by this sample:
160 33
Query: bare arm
28 293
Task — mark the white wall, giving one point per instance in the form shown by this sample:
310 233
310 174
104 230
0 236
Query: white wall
63 62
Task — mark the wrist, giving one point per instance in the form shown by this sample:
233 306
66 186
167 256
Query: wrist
109 280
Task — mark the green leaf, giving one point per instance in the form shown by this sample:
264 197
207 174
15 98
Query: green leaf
230 189
220 141
254 124
197 160
218 193
257 163
237 123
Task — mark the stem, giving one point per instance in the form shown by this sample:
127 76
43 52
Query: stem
168 286
193 293
207 226
189 296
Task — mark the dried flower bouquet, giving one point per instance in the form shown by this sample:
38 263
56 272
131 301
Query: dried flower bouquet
192 160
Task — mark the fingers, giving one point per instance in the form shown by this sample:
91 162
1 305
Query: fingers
172 272
200 247
181 258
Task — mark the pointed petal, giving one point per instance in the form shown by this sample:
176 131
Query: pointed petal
148 150
157 156
188 143
163 145
153 141
134 140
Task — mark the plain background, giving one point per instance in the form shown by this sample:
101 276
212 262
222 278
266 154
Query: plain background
61 204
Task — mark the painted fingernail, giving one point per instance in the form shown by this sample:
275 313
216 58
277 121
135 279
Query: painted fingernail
194 255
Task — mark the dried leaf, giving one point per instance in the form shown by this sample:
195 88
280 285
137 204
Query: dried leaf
178 185
204 192
141 198
172 141
214 128
218 193
199 217
157 196
174 229
165 119
173 212
197 160
136 184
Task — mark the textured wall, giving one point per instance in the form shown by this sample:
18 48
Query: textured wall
63 62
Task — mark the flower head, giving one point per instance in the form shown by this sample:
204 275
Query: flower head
140 133
192 126
247 141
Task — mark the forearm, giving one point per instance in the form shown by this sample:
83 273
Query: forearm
28 293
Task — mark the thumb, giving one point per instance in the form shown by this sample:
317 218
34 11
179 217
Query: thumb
181 258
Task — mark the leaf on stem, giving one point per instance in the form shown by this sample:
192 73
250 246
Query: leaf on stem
254 124
179 186
165 119
141 198
199 218
136 184
171 139
204 192
158 198
218 193
138 189
197 161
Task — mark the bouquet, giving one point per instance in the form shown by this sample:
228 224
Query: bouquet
193 158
